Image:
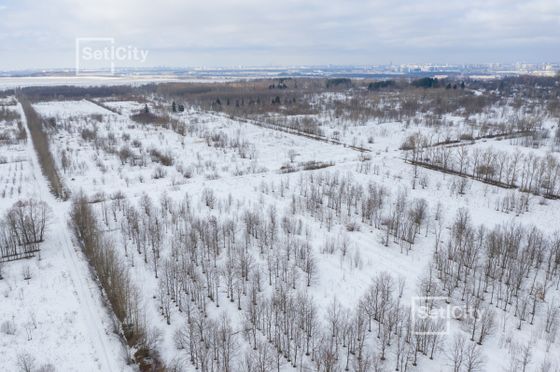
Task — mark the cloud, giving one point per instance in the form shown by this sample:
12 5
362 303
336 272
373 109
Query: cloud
256 32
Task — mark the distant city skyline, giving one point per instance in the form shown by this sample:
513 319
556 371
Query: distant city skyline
42 35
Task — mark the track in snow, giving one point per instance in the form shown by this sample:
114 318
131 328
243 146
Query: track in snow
83 287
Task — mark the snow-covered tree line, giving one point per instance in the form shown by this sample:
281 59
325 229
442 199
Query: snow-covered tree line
529 172
119 288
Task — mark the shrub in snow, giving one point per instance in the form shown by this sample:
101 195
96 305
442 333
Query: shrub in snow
353 226
159 172
8 327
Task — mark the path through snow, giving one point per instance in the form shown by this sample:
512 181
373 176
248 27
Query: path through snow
107 347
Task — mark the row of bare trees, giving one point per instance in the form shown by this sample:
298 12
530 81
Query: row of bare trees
22 229
113 275
529 172
40 139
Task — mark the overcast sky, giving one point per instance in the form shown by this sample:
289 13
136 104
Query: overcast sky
42 33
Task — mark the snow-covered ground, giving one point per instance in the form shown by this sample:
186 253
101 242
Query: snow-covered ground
56 315
224 171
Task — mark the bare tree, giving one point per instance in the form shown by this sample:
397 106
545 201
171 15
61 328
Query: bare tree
457 353
473 360
486 324
26 362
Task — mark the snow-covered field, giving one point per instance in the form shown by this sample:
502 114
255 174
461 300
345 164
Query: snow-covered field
52 314
255 249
